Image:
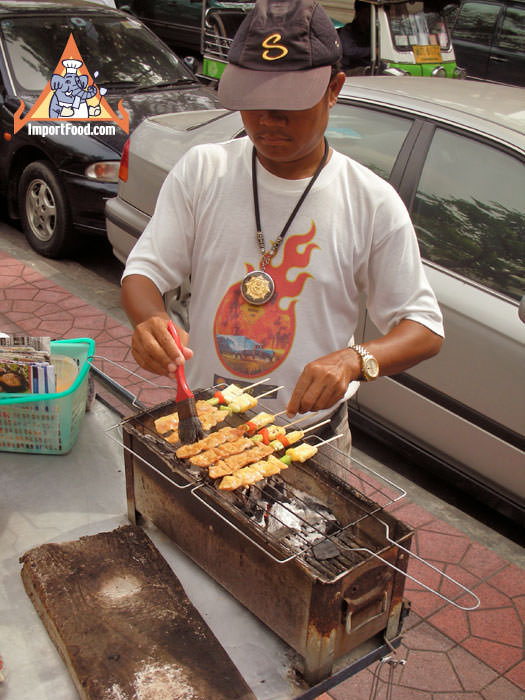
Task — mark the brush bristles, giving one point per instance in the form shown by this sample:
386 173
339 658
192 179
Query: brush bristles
190 428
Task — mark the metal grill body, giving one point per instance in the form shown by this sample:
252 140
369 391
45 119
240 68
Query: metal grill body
323 600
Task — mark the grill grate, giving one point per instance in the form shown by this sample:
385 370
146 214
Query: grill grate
271 505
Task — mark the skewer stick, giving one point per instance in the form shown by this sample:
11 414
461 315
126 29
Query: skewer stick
251 386
317 425
266 393
325 442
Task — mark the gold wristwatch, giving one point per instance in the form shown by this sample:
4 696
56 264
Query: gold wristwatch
369 364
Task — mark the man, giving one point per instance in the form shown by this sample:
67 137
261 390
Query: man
355 39
280 222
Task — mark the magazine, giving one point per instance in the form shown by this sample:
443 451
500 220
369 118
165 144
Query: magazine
25 366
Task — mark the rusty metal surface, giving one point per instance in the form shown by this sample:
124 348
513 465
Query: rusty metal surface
332 606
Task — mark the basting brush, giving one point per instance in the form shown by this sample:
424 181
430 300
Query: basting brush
190 428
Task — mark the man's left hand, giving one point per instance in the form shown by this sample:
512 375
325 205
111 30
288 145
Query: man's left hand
323 382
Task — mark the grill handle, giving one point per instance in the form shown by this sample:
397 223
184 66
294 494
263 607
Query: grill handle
237 529
148 464
412 578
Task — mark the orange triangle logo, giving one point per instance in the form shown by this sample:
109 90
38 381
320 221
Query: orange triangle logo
71 95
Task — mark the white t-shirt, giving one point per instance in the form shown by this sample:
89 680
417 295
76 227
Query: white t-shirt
352 236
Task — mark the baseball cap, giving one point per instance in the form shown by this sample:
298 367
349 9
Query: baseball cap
281 57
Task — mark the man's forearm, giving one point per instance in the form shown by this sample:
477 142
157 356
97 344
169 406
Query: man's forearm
141 299
403 347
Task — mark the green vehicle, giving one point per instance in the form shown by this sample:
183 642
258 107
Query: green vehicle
220 21
393 37
379 37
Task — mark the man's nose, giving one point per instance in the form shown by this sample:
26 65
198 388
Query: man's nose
272 116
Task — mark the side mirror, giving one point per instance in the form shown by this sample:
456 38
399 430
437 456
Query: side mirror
191 63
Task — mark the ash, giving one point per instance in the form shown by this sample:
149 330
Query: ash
296 518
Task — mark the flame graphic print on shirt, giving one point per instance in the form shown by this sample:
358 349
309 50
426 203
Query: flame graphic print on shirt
253 340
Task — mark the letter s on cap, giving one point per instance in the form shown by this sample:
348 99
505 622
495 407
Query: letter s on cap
271 43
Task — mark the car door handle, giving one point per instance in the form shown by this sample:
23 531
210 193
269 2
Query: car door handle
499 58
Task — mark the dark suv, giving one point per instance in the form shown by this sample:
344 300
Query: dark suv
178 22
489 40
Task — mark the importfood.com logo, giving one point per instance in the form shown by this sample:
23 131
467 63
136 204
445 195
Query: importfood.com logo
71 95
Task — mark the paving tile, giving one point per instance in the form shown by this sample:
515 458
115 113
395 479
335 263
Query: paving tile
55 329
439 547
7 281
499 656
510 580
455 589
50 296
424 603
502 689
520 607
21 317
84 309
27 305
21 292
517 675
458 696
429 671
451 622
426 637
451 654
495 625
120 332
482 561
42 282
473 674
72 302
413 515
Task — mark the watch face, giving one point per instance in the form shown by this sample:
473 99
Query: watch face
371 367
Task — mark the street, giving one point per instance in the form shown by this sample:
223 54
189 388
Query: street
94 275
446 522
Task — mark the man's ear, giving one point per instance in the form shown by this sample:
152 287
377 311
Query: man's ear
335 87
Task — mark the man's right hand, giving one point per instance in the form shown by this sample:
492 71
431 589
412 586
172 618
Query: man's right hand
152 345
154 349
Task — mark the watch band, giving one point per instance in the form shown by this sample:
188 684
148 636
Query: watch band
367 359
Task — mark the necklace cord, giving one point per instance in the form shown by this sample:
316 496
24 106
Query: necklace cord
266 256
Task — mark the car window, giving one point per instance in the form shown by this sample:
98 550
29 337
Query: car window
512 32
476 22
372 137
123 51
469 212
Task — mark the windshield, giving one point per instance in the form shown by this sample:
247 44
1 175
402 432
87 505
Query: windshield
414 24
122 51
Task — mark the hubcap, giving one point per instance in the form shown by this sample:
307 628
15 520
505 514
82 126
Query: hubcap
41 210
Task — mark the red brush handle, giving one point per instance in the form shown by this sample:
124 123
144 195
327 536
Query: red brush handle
183 390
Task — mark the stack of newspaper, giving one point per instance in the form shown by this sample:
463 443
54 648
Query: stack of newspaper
25 365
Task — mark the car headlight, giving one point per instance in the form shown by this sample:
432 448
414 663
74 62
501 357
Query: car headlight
460 73
439 72
104 171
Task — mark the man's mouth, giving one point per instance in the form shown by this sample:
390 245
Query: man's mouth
271 138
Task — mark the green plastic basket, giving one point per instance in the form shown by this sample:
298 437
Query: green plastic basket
49 423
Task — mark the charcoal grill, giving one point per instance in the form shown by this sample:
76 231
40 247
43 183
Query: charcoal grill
317 559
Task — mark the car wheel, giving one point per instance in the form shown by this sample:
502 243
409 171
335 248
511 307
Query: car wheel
44 210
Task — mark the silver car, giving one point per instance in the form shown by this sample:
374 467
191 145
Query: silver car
455 152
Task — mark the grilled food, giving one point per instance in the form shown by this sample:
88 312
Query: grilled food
205 412
302 452
213 455
231 464
213 440
252 474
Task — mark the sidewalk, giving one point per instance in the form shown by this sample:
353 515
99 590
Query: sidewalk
450 654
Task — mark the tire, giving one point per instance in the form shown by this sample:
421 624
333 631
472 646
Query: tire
44 211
